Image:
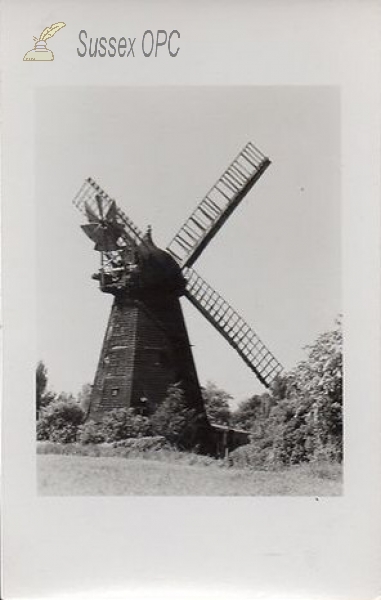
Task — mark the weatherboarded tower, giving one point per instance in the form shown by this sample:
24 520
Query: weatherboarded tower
146 346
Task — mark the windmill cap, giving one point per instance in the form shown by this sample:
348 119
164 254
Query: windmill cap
157 265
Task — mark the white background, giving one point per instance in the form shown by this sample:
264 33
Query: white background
244 547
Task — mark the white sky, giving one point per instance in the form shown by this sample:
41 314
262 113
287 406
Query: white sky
157 151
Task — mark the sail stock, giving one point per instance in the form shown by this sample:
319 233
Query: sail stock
232 327
217 205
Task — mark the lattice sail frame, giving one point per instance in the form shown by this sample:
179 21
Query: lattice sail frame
217 205
87 195
232 327
235 182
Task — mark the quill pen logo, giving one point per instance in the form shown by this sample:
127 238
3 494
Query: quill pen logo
40 51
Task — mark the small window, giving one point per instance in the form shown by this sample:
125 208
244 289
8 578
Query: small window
114 391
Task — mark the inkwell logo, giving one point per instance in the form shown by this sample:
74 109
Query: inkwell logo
40 51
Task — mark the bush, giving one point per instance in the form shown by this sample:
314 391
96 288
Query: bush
254 456
60 420
302 419
252 412
118 424
216 403
91 433
143 444
123 423
174 420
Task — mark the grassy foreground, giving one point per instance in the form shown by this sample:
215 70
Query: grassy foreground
65 475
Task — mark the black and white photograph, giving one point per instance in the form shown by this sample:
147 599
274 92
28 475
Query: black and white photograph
190 300
154 377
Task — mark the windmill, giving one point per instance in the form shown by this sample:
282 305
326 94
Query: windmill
146 346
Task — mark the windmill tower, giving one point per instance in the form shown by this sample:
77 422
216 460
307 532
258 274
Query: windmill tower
146 346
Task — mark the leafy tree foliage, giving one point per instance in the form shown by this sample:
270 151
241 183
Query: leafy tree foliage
116 426
174 420
123 423
43 395
315 392
252 412
302 418
59 420
41 379
84 397
216 404
91 432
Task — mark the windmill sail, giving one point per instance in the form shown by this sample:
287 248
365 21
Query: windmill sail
232 327
92 200
217 205
104 229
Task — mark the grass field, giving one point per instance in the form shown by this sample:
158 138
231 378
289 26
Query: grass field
60 475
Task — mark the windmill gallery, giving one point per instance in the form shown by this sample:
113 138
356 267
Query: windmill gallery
146 346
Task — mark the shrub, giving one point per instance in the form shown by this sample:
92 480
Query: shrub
253 456
216 403
252 412
174 420
123 423
143 444
117 425
91 433
60 420
302 419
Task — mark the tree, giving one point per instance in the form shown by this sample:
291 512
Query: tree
306 419
84 397
216 404
174 420
60 419
322 373
43 396
279 387
319 382
302 418
251 413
